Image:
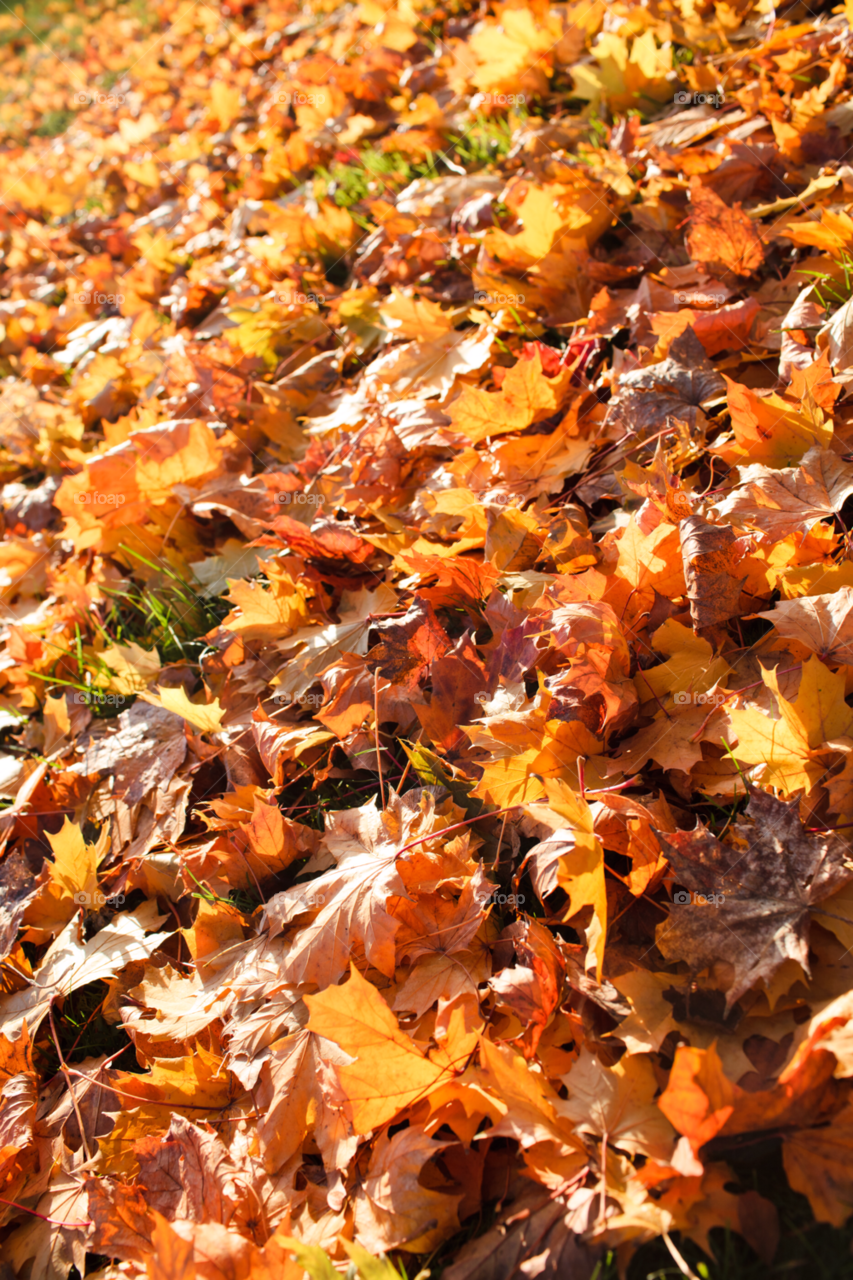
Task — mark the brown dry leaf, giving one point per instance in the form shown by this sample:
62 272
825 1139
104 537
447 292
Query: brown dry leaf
394 1209
533 989
300 1092
121 1223
56 1239
535 1229
187 1174
710 554
769 877
172 999
674 738
617 1104
19 886
646 398
817 1164
343 908
142 755
268 843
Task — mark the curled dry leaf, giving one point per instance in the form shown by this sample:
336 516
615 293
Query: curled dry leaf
710 554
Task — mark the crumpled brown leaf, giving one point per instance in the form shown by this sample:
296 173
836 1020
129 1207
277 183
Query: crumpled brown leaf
749 901
710 554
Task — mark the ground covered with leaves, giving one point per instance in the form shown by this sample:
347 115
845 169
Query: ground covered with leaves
426 779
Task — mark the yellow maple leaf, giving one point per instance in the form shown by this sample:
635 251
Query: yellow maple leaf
770 429
529 1104
72 882
75 863
265 614
690 666
408 317
206 717
511 779
515 49
196 1083
133 668
525 397
390 1072
833 234
787 747
580 872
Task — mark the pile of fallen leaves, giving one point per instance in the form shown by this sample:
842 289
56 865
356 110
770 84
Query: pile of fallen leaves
426 444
